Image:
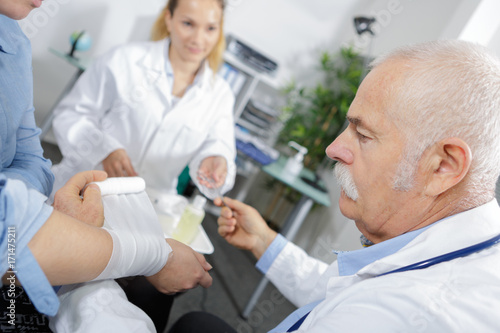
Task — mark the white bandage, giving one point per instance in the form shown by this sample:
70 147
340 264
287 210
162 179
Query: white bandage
139 247
121 185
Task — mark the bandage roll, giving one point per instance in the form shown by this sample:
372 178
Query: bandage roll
121 185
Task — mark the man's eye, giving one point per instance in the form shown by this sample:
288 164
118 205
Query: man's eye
186 23
362 137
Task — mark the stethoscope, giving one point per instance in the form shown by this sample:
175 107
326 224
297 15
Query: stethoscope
427 263
447 256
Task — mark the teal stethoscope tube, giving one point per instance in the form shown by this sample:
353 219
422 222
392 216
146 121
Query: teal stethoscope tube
447 256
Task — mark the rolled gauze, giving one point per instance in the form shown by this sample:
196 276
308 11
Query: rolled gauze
121 185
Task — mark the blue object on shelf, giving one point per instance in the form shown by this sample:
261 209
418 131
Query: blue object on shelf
253 152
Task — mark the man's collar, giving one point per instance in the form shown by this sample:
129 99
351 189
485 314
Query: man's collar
452 233
350 262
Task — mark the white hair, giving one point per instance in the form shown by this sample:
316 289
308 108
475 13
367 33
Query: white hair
449 89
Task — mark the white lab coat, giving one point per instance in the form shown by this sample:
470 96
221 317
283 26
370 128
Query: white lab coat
462 295
124 100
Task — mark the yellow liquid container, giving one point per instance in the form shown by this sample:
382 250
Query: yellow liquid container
191 218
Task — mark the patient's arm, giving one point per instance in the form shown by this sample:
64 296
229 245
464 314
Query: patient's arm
70 251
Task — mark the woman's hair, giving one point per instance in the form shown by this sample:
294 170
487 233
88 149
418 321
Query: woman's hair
160 31
451 89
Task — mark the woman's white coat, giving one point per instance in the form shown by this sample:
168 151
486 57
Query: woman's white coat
124 100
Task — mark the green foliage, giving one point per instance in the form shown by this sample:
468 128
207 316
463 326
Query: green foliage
314 116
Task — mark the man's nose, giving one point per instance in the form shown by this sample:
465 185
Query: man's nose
339 150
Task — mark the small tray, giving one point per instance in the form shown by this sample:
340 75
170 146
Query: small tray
201 242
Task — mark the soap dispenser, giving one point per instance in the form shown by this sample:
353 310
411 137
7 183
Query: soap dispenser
294 164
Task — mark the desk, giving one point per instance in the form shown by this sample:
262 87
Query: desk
295 219
81 65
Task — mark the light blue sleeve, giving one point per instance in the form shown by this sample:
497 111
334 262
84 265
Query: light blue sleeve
22 212
21 153
271 253
28 164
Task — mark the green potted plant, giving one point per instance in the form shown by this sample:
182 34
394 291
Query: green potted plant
314 116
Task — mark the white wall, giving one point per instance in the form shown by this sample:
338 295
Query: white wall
289 31
483 23
402 22
495 42
292 32
109 23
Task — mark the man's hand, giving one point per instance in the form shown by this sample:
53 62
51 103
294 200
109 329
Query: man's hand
185 269
89 209
118 164
213 167
242 226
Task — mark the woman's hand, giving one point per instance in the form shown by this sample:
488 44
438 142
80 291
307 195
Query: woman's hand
118 164
213 167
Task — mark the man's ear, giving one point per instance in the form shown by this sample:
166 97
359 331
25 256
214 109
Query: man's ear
450 162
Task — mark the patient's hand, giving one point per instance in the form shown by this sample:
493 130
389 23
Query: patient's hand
185 269
89 209
118 164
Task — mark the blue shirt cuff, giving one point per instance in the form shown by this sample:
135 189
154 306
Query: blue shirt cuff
36 284
271 253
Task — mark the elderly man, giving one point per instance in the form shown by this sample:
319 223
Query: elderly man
417 166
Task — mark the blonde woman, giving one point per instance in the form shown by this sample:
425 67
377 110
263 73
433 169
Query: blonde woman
152 108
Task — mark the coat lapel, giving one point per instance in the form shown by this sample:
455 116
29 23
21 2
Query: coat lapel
153 65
